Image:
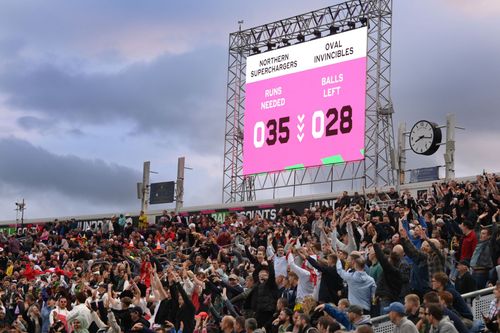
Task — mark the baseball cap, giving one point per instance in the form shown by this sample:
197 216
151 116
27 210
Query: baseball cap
233 277
395 307
355 309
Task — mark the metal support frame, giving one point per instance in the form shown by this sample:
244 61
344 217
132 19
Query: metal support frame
20 208
146 169
375 170
449 156
179 188
401 154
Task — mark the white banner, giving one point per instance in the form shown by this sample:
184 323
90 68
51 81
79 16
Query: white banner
316 53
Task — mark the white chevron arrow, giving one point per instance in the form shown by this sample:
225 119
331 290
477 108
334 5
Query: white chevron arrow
300 136
300 127
301 117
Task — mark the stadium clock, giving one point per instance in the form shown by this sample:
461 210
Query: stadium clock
425 137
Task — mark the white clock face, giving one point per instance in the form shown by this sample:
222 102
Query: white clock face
421 137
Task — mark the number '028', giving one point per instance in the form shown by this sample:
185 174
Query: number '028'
318 128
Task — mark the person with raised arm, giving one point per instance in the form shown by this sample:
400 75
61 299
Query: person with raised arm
361 287
185 310
331 283
427 261
307 279
338 245
351 318
391 281
279 259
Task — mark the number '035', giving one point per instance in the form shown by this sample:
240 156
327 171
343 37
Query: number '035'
277 130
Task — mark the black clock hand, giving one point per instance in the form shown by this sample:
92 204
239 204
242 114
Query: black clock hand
423 137
420 138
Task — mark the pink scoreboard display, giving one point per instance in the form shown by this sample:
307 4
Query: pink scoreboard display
305 104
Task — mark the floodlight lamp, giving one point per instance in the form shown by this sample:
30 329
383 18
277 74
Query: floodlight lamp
255 50
351 25
333 29
317 33
270 46
301 38
363 21
285 42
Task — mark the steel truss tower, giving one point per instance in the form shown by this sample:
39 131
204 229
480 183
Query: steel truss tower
376 169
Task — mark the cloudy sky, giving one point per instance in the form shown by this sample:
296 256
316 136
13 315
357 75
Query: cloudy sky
91 89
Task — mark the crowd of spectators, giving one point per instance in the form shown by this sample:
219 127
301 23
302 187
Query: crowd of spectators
323 270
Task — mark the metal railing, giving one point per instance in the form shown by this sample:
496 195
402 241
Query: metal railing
478 300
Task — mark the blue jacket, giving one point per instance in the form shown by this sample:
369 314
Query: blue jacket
361 287
416 241
339 316
342 318
45 313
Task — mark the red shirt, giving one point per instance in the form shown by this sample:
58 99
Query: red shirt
170 235
468 245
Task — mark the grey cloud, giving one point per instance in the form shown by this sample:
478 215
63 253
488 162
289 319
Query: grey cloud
75 132
67 23
47 126
179 96
10 47
34 123
441 65
33 169
468 90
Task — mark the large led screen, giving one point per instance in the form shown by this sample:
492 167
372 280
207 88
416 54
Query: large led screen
305 104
